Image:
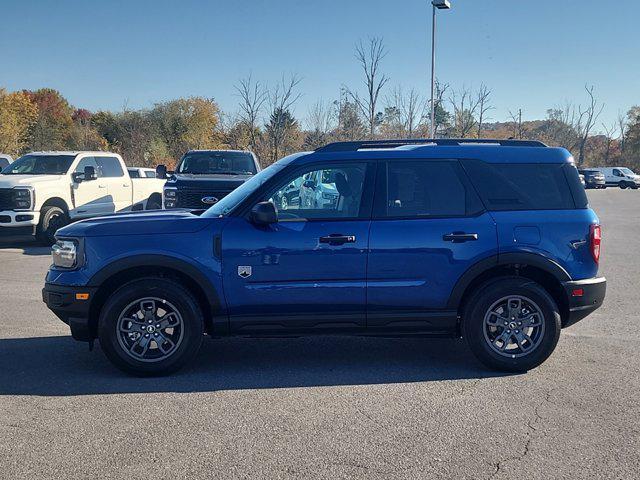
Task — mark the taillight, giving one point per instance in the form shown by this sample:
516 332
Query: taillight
596 239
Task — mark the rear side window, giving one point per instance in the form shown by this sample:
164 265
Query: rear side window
110 166
427 188
522 186
134 173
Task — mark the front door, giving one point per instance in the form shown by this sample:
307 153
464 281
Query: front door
91 197
308 271
428 228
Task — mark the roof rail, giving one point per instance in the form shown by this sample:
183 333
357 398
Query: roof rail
375 144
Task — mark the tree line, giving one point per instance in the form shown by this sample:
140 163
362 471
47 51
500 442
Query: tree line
264 120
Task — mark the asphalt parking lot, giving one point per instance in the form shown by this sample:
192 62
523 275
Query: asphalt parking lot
326 407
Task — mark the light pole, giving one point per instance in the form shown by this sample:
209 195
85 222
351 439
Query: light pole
440 5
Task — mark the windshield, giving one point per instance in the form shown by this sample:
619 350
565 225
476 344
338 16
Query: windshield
626 171
221 162
40 165
232 200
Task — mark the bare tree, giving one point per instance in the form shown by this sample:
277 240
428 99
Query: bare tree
518 130
282 98
622 127
587 117
609 132
408 109
369 58
322 117
252 99
442 116
465 107
484 106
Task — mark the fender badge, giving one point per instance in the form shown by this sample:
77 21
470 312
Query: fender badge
244 271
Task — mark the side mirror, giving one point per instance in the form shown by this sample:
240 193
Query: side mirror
89 173
161 172
264 213
309 184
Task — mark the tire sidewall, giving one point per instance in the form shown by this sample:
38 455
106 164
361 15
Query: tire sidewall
473 323
43 234
166 289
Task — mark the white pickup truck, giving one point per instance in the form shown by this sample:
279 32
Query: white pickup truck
41 192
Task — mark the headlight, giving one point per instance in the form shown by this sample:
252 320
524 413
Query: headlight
23 198
170 197
65 254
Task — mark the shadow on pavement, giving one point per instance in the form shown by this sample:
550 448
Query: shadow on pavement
59 366
27 244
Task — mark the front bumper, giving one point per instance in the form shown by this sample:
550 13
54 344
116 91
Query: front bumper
18 223
68 307
584 297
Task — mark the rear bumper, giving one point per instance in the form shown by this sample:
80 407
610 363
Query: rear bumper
62 301
584 297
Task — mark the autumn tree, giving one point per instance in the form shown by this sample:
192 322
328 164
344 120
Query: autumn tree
17 115
253 97
53 124
465 107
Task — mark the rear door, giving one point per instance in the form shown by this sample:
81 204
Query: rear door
428 228
118 183
308 271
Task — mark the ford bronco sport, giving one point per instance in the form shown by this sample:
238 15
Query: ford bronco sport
490 240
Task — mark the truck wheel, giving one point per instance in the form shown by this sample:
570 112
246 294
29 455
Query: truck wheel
52 218
511 324
154 203
151 326
623 185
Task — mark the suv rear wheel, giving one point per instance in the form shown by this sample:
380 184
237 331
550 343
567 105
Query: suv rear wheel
511 324
151 326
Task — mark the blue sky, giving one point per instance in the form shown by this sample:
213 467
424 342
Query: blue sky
532 54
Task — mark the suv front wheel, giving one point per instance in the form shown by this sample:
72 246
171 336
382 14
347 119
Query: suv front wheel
151 326
511 324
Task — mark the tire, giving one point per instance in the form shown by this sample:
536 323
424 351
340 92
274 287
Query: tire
284 202
485 342
623 185
52 219
123 335
153 204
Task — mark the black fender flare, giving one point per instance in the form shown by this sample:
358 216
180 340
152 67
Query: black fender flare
514 258
169 262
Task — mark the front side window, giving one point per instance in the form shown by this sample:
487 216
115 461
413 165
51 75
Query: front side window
40 165
321 193
428 188
88 162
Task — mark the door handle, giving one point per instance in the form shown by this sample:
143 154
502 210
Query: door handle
338 239
125 185
102 186
459 237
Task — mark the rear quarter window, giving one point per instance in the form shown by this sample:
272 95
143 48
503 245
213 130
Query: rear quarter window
526 186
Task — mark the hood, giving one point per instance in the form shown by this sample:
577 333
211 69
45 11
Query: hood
10 181
155 222
207 182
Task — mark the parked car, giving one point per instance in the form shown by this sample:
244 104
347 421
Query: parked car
43 191
593 178
203 177
620 177
582 180
140 172
493 241
289 195
5 160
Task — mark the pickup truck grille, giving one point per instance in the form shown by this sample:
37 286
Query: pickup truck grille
6 202
193 198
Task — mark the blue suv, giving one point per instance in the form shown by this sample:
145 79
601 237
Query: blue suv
490 240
